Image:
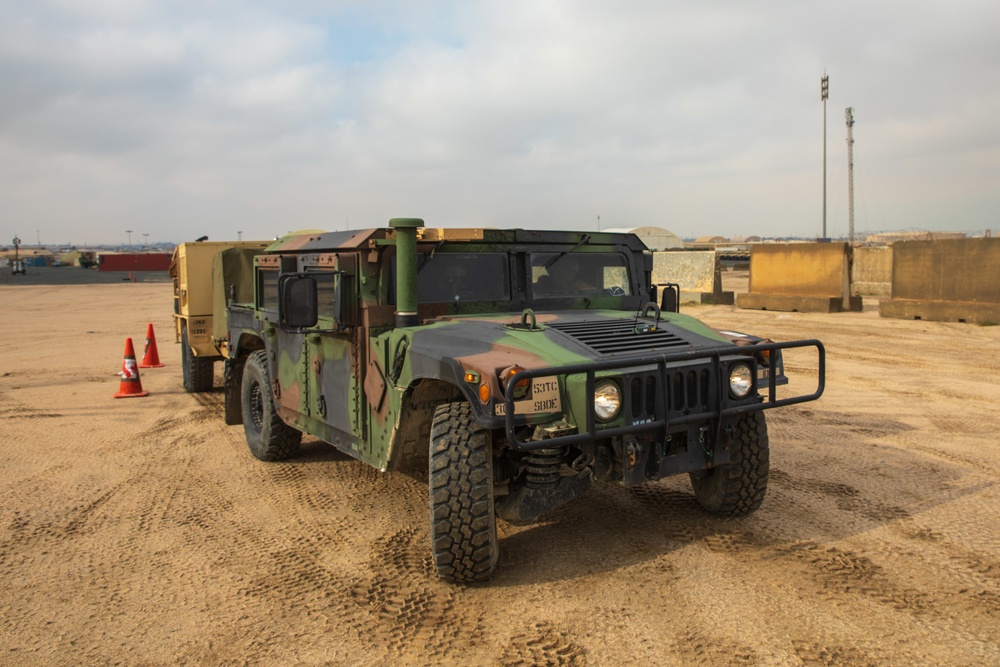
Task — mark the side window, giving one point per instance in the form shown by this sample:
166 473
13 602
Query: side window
326 293
267 289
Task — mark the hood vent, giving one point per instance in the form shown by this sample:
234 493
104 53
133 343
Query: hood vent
619 337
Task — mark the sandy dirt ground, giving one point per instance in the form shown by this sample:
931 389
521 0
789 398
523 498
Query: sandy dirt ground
141 531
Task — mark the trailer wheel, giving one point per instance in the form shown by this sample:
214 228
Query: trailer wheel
463 523
269 438
199 373
738 487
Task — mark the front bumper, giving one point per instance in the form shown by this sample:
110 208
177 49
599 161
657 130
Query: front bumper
671 406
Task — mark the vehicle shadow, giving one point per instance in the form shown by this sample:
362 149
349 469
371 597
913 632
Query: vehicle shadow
863 478
611 528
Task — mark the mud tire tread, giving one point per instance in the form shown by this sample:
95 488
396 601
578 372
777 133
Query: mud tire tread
268 438
463 523
738 487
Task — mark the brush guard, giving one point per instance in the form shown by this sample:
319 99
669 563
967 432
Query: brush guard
720 405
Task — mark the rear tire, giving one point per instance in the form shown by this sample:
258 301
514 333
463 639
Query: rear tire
269 438
738 487
463 523
198 372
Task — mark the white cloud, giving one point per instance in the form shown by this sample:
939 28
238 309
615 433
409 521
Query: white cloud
702 117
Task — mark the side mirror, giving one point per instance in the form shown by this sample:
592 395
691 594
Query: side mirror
297 301
670 299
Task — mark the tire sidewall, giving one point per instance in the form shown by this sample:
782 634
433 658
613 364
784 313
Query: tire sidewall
256 419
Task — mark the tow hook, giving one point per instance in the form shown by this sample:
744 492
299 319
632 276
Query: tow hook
702 439
632 452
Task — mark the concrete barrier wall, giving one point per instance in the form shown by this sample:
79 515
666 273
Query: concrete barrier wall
871 271
945 280
808 277
947 270
806 269
698 273
693 271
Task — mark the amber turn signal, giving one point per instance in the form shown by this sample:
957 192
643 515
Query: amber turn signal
520 386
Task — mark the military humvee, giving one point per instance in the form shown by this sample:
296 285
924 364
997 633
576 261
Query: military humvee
514 368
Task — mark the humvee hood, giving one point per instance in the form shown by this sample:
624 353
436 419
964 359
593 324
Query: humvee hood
491 342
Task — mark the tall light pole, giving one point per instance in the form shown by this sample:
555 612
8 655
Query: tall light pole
129 232
145 242
239 236
824 93
849 114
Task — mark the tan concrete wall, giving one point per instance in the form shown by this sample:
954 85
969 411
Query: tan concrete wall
871 271
694 271
961 270
972 312
802 269
805 277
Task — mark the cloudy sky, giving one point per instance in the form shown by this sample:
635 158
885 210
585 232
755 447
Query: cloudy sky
177 119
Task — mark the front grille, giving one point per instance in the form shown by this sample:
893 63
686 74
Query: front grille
607 337
689 391
643 396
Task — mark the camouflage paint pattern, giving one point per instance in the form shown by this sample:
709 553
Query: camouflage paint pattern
368 334
348 387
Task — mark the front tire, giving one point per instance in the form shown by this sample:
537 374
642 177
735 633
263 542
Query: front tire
738 487
269 438
463 523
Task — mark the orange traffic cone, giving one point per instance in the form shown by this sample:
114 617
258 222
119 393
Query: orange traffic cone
130 385
150 357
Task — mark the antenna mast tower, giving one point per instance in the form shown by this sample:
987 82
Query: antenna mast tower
849 114
824 94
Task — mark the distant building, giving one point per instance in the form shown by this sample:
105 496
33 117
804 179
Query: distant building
655 238
888 238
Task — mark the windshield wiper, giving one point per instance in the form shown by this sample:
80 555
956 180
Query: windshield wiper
584 240
429 257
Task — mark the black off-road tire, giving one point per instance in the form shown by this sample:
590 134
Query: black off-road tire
198 372
463 523
738 487
269 438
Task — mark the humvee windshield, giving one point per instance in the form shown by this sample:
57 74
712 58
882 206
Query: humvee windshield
579 274
460 276
448 277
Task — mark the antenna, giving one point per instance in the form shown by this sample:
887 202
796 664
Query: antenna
849 114
824 87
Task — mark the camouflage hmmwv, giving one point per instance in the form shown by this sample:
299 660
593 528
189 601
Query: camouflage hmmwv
512 368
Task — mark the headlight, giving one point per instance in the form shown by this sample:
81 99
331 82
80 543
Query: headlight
607 400
740 380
